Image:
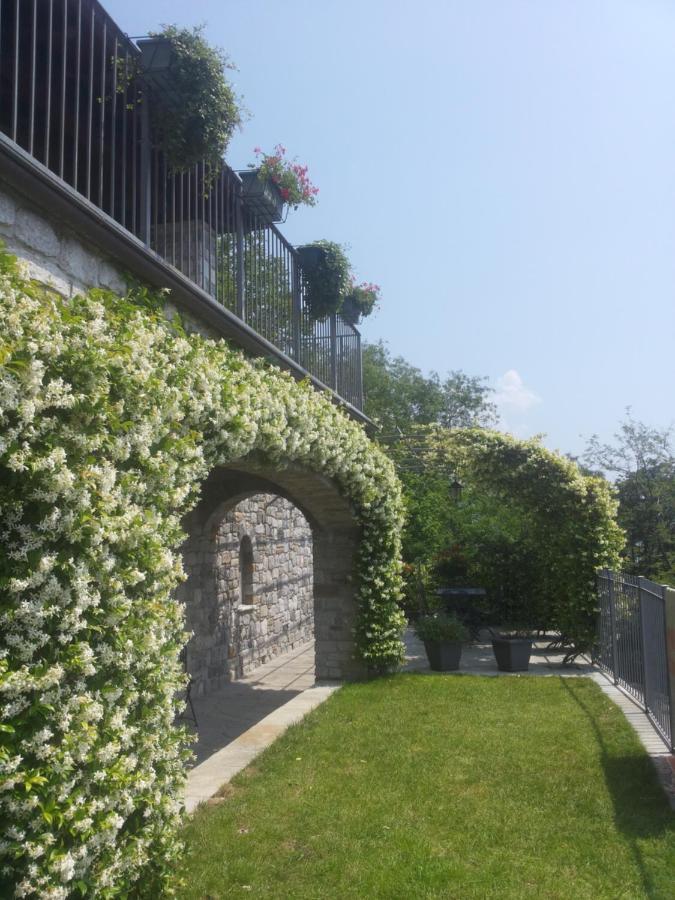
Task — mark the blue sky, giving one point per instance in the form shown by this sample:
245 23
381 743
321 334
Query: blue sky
504 169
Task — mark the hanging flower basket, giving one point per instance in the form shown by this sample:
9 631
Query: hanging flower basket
261 197
325 275
360 301
194 110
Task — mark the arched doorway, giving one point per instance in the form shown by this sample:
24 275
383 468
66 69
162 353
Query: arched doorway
237 548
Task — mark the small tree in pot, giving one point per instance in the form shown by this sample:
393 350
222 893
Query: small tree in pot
443 635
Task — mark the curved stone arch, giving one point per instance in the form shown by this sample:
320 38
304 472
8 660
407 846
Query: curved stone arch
335 536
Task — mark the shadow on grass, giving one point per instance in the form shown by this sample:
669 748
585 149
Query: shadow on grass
641 810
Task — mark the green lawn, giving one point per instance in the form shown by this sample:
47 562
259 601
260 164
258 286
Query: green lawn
454 787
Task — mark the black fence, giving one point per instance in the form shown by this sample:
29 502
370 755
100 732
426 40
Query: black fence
632 643
73 96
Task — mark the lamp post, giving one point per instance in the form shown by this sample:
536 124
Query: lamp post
456 490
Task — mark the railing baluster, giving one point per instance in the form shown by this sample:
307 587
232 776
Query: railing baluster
15 103
64 76
33 86
78 62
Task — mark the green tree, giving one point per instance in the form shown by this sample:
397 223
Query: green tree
398 396
642 462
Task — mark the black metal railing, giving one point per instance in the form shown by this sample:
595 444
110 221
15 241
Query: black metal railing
632 644
72 95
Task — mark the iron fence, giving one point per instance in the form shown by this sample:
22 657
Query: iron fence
632 645
73 96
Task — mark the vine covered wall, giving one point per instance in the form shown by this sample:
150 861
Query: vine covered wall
110 419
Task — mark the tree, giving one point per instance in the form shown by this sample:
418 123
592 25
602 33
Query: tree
398 396
642 461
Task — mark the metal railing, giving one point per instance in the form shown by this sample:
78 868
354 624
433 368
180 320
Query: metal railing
72 96
632 644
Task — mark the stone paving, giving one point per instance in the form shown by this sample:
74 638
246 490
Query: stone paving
241 719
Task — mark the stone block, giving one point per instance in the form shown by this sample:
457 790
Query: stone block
37 233
7 210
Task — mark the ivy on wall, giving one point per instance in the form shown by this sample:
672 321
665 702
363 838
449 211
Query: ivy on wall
110 419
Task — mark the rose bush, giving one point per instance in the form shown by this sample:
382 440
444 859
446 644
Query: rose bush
110 419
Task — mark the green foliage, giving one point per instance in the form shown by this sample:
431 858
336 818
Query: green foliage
529 528
111 417
326 276
643 462
440 627
204 108
399 396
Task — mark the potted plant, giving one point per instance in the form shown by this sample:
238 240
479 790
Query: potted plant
512 649
325 275
360 300
443 635
203 110
274 181
512 640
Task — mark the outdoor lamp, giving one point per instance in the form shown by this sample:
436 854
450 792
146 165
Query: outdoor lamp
456 490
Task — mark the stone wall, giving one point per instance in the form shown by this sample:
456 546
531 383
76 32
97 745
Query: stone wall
237 630
53 254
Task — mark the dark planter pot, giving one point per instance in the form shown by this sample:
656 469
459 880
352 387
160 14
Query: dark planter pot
156 55
512 654
262 198
310 257
443 656
350 311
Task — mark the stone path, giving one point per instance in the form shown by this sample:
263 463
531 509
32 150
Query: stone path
243 718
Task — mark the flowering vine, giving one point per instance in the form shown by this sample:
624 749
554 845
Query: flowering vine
110 419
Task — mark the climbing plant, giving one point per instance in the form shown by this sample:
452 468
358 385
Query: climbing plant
110 418
530 527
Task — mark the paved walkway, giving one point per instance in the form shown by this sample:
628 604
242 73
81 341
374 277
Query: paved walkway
244 717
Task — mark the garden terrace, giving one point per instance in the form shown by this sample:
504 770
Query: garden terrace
76 140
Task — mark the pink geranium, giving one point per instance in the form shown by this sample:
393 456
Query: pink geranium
289 176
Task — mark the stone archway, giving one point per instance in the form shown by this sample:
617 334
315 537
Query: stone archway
334 533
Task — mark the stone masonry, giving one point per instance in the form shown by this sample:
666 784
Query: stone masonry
250 606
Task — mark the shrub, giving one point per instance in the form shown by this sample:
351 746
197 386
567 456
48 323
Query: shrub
110 419
441 627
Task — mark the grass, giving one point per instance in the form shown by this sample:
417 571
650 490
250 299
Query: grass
419 786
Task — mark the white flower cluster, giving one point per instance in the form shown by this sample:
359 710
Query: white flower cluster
110 418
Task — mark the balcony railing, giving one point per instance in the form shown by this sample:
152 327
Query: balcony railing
71 96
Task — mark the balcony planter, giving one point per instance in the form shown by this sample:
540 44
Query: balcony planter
512 653
350 310
262 198
157 55
325 276
443 656
194 110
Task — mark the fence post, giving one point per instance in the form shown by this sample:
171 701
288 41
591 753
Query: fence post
643 642
145 186
297 308
669 609
612 622
240 269
333 352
